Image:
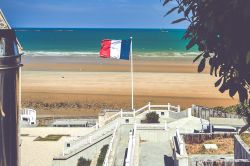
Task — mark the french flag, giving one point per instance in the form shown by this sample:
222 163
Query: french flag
118 49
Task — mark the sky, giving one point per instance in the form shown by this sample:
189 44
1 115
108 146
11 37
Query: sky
89 14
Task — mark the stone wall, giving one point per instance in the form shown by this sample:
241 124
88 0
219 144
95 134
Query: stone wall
223 162
241 149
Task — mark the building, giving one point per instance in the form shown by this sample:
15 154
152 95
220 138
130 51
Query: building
73 123
28 116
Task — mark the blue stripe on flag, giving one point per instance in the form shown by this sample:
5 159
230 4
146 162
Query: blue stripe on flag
125 49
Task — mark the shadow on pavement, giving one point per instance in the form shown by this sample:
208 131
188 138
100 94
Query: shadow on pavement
168 161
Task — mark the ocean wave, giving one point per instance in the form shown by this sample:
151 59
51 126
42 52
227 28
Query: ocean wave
167 54
60 53
39 30
94 54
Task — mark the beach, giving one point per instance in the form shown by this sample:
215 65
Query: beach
83 86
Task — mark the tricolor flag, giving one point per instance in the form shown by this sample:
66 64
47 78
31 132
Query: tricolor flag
119 49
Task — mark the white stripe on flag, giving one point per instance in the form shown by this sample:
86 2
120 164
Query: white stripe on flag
115 49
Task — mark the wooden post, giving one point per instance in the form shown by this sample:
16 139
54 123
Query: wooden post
149 106
165 125
121 113
96 126
178 108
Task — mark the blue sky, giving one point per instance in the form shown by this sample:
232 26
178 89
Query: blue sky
89 13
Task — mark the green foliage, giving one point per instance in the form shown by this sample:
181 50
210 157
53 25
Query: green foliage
243 110
83 162
152 117
50 137
230 109
221 30
102 155
44 105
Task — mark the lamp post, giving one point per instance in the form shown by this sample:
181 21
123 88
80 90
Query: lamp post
10 62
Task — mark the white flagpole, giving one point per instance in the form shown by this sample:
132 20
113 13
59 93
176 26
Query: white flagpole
132 75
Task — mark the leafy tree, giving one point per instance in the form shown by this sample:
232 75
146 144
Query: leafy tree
244 111
152 117
221 30
83 162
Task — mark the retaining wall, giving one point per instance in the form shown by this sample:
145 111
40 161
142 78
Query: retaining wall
222 162
241 149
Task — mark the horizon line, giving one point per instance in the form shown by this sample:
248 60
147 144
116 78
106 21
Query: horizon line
91 28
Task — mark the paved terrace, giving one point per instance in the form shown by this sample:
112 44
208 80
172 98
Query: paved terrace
155 145
149 145
41 153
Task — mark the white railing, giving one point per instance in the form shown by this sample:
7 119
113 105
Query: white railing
145 108
128 114
142 109
131 147
110 124
81 142
150 107
179 141
96 126
113 117
106 160
151 126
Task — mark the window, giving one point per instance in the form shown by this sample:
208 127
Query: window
1 48
68 144
162 113
25 119
127 120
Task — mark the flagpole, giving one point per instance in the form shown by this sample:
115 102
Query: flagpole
132 75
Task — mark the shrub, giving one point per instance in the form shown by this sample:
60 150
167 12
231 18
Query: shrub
152 117
83 162
102 155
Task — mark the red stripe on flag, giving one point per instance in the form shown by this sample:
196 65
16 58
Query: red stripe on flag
105 48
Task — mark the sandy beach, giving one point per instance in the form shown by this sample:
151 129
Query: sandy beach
66 86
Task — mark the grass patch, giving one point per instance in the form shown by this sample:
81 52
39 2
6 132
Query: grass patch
225 146
246 138
24 135
50 137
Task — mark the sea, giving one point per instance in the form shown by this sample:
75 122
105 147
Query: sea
86 41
